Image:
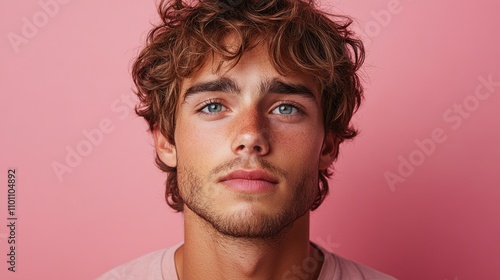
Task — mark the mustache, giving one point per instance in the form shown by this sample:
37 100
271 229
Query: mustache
253 163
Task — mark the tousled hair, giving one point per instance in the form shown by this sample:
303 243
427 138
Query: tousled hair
298 36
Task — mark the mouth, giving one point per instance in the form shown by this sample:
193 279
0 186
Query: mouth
254 181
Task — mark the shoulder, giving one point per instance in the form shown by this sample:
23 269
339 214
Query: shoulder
339 268
148 267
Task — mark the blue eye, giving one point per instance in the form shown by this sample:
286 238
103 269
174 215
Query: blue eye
212 108
285 109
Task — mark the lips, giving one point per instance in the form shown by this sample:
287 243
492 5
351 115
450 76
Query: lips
255 181
250 175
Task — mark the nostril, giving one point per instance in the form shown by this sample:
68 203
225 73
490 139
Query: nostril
256 148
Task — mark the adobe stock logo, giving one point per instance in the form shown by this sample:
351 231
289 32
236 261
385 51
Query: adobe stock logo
76 154
31 26
382 18
454 117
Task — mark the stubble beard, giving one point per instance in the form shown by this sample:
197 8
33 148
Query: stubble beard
201 198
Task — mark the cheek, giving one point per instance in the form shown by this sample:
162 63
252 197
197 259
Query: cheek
299 147
200 144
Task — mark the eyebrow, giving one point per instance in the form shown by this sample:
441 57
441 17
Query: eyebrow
227 85
221 85
279 87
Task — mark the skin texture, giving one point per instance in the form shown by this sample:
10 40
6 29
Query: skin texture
251 122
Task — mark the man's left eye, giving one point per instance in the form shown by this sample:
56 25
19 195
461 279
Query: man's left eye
285 109
213 108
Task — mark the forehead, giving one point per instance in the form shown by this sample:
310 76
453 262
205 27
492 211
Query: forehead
254 67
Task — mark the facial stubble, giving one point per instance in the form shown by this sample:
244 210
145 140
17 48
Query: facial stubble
200 196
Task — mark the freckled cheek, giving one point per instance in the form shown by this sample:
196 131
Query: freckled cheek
298 147
200 144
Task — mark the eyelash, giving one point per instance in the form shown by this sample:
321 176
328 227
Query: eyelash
300 109
212 101
208 102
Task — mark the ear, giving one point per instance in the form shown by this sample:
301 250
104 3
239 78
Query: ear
328 151
165 150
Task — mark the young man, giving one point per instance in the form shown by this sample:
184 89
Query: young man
247 102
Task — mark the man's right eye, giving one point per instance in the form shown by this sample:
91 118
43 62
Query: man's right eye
212 107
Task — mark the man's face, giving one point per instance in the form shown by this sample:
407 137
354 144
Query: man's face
249 144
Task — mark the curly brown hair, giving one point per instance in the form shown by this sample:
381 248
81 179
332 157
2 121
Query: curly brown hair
299 37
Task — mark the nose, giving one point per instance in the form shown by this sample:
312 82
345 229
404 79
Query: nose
251 134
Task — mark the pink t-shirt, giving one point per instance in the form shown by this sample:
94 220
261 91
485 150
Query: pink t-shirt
160 265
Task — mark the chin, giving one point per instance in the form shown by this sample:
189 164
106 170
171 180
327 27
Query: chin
247 220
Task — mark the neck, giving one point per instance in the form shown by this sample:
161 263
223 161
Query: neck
207 254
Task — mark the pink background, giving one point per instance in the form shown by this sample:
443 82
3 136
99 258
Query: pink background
71 73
